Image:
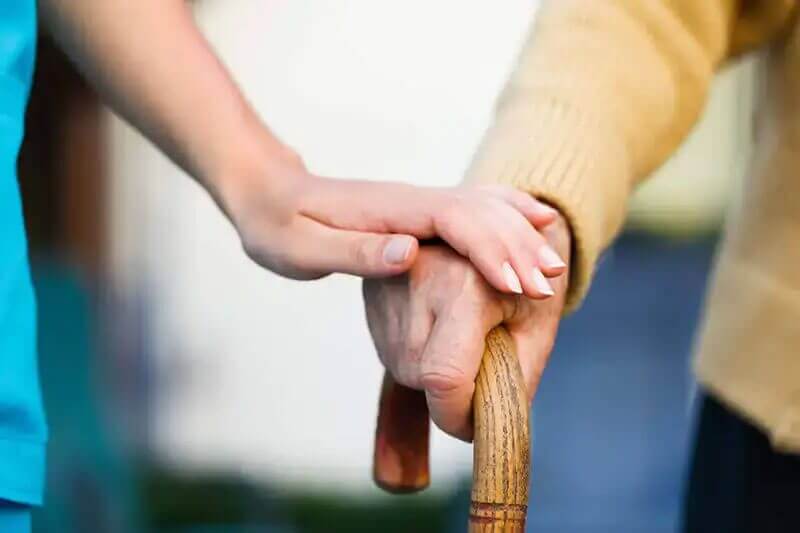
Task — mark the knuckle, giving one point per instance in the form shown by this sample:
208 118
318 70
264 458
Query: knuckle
358 253
407 366
415 347
407 373
401 365
523 198
258 248
443 379
489 255
520 223
470 294
472 278
451 212
526 236
291 260
497 189
496 203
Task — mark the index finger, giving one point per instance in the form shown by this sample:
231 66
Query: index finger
450 364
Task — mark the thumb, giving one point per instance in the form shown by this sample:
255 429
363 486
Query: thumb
370 255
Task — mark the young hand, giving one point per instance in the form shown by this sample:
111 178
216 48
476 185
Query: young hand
290 221
304 226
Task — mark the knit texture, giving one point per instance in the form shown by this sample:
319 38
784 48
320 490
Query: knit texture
603 93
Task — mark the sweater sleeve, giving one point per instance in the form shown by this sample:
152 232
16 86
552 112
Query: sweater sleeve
603 93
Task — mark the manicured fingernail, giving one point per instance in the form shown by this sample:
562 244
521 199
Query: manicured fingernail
541 283
396 252
547 209
512 280
548 258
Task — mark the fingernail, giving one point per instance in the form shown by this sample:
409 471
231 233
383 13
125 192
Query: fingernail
541 283
547 209
396 252
511 278
548 258
547 212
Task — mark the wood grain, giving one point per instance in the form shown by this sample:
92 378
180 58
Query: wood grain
400 461
501 455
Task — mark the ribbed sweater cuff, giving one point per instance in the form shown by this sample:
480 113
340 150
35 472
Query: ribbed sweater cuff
567 158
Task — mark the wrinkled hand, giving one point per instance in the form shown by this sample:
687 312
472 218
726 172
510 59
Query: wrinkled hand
304 226
429 327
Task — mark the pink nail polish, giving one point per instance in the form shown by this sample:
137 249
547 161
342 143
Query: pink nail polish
511 278
546 209
541 283
548 258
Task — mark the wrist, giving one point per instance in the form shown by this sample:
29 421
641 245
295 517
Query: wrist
254 173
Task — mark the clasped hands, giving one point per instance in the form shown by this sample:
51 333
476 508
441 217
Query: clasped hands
429 308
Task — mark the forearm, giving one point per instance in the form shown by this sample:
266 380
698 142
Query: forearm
152 65
604 91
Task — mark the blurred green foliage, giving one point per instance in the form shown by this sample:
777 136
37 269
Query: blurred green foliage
320 513
183 504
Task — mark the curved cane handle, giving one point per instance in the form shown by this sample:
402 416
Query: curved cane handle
400 460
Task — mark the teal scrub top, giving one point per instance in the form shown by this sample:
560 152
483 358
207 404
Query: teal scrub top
22 426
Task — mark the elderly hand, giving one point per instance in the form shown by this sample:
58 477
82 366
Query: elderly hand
429 327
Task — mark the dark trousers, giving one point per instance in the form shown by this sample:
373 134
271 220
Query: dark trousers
737 482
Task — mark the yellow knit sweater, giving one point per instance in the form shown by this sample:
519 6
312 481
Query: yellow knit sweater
604 92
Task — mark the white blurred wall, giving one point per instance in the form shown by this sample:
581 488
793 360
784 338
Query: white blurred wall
278 379
264 375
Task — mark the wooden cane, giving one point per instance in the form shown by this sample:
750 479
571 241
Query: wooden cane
501 455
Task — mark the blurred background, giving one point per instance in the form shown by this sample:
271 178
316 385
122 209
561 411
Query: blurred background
189 391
